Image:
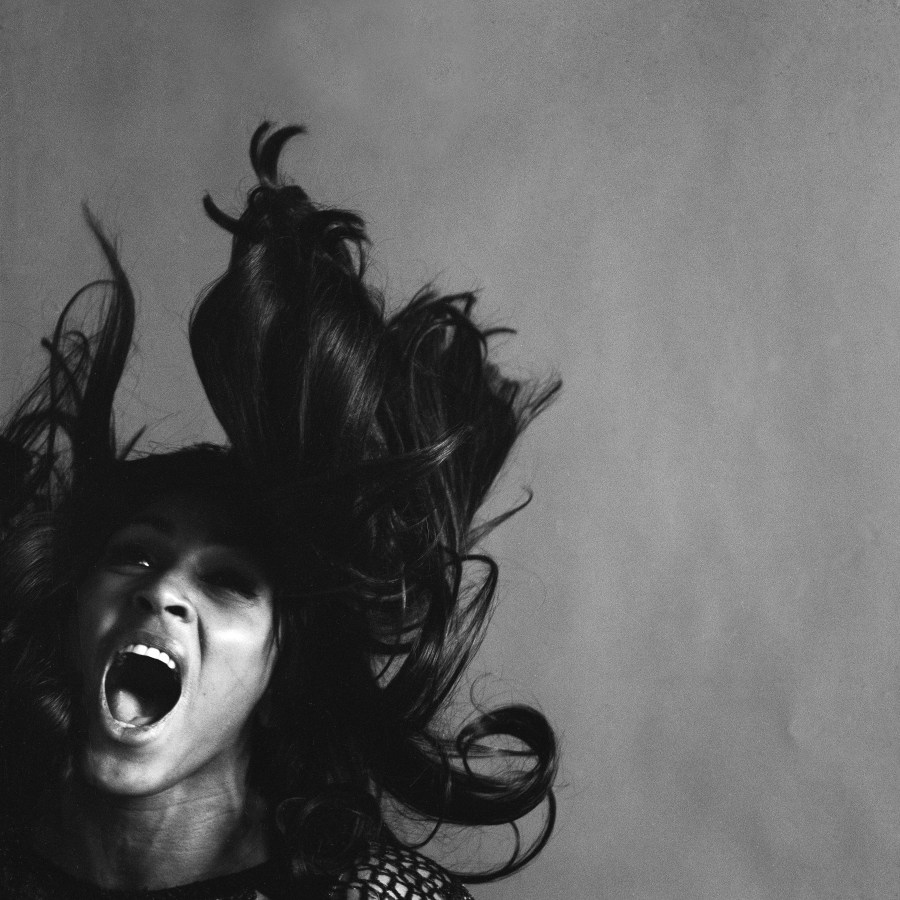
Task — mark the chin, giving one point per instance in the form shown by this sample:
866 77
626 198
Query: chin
109 771
121 781
148 764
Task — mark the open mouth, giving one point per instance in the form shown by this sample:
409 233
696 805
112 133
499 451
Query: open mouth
142 685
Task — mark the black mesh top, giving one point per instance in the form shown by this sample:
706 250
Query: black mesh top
394 874
389 873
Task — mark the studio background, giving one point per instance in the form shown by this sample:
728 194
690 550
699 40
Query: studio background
691 208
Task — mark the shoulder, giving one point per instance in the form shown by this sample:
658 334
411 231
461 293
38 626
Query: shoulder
394 873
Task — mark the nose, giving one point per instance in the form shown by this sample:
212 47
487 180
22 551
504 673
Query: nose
165 597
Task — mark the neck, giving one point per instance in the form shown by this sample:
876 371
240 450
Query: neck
172 838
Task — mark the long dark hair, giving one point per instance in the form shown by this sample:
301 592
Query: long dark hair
363 444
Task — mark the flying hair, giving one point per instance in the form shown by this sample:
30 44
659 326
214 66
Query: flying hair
361 442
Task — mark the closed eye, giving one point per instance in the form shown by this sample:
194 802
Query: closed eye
234 581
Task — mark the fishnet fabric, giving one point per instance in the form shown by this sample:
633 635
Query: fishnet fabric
394 874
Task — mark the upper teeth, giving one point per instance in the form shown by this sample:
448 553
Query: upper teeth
144 650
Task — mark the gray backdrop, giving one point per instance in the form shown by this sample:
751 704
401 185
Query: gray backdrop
691 208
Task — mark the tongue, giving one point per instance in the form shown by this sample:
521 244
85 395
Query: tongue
131 709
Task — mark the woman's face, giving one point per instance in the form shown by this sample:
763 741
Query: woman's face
176 643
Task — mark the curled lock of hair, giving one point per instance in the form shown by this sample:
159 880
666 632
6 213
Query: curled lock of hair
378 437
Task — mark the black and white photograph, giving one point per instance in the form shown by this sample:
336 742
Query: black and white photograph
450 450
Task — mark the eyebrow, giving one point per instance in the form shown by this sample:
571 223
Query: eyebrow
159 523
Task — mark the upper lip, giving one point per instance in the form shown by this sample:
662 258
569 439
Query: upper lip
151 639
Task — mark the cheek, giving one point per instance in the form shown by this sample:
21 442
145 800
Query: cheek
92 616
245 652
92 598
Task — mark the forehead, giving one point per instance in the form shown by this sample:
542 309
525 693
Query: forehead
194 518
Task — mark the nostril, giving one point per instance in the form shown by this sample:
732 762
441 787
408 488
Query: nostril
179 610
158 602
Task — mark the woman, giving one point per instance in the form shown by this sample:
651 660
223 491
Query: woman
225 668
